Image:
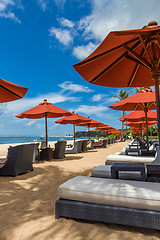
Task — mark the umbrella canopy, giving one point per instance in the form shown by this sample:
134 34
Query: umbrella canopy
139 101
139 122
128 58
116 131
91 124
106 127
10 91
73 119
139 115
44 110
106 66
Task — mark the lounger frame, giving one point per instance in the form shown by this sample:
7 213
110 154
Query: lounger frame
107 214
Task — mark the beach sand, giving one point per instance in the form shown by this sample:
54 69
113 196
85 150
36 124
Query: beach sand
27 203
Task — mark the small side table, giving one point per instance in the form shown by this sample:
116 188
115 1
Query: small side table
139 167
46 154
153 173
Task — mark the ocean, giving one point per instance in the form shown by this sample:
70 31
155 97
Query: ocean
20 139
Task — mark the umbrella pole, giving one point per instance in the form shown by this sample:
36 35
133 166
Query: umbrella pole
156 78
126 132
46 129
74 132
89 132
146 110
123 126
142 130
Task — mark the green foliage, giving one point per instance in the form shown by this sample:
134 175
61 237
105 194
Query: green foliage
122 94
93 134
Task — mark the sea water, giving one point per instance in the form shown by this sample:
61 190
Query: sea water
23 139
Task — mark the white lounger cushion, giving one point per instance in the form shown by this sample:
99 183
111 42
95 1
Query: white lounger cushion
133 194
126 158
104 171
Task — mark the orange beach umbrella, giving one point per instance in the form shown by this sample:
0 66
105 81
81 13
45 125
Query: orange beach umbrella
128 58
143 100
140 122
44 110
139 115
91 124
10 91
73 119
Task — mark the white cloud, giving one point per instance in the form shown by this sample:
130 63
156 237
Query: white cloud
103 98
99 110
97 97
6 9
43 4
62 35
66 23
112 15
60 3
74 87
106 16
24 104
30 123
40 126
82 51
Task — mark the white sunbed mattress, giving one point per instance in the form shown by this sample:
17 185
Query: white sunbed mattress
133 194
126 158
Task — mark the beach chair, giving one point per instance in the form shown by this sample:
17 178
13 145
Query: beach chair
84 145
36 154
90 144
19 160
79 146
125 202
42 145
59 151
101 144
73 150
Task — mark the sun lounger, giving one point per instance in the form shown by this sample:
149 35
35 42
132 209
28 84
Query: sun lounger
133 149
124 158
132 203
72 150
90 145
101 144
19 160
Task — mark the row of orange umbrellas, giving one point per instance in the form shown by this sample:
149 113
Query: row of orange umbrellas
143 100
78 120
128 58
48 110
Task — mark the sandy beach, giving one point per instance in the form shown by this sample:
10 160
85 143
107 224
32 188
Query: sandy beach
27 203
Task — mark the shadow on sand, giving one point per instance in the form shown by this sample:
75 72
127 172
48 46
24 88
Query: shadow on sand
27 206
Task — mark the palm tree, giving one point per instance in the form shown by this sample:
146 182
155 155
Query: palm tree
122 94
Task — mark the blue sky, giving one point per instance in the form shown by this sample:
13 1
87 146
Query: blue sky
41 40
